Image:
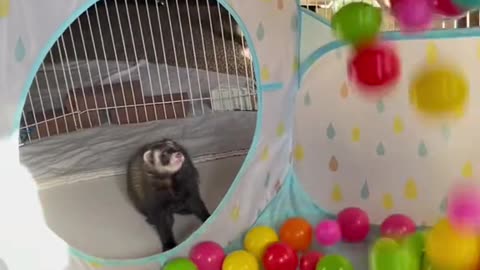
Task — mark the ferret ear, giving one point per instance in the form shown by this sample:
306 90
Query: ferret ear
148 157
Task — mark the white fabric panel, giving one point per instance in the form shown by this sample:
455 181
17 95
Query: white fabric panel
315 34
25 27
417 161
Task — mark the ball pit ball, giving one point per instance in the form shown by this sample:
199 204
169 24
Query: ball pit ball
334 262
463 207
397 226
357 23
280 256
309 260
354 224
240 260
297 233
412 15
389 254
180 264
328 233
258 239
374 68
207 256
440 90
449 248
415 242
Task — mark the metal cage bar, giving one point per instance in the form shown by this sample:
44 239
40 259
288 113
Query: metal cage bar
134 61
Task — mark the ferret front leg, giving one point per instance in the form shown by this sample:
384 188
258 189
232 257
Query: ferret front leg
196 205
163 222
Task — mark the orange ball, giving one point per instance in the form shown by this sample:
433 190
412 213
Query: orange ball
297 233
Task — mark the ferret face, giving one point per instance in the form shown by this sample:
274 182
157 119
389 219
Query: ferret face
165 157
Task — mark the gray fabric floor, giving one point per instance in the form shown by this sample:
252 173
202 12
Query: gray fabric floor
97 217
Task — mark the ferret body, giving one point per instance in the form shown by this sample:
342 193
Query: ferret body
161 181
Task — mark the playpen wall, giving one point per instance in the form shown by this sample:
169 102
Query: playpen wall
379 155
326 9
271 31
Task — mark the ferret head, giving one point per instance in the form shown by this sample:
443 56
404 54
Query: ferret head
165 157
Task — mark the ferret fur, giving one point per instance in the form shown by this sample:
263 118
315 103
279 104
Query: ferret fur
158 193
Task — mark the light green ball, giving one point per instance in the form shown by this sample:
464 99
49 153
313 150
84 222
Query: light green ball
180 264
357 23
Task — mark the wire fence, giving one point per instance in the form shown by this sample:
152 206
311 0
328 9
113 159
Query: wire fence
134 61
326 9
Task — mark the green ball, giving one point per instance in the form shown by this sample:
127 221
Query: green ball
415 243
357 23
334 262
180 264
388 254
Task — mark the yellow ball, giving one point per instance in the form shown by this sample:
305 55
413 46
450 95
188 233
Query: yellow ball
258 239
440 90
449 248
240 260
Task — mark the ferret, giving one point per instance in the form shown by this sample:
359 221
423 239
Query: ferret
161 181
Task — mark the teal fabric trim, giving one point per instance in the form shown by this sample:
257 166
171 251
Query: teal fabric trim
162 257
271 87
392 36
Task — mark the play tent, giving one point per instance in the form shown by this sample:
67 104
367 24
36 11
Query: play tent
318 147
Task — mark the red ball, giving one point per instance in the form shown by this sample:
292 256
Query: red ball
354 224
309 260
397 226
374 66
279 256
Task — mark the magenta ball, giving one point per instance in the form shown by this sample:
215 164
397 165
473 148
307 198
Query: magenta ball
328 233
413 15
463 207
354 224
397 226
207 256
309 260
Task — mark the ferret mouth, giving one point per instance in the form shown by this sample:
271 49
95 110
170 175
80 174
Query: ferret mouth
177 158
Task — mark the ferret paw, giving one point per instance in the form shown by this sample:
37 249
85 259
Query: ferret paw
169 245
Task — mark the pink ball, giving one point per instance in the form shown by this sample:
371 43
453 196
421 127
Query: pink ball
309 260
328 233
207 256
463 209
397 226
354 224
413 15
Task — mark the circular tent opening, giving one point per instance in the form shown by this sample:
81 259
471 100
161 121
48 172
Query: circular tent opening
124 74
